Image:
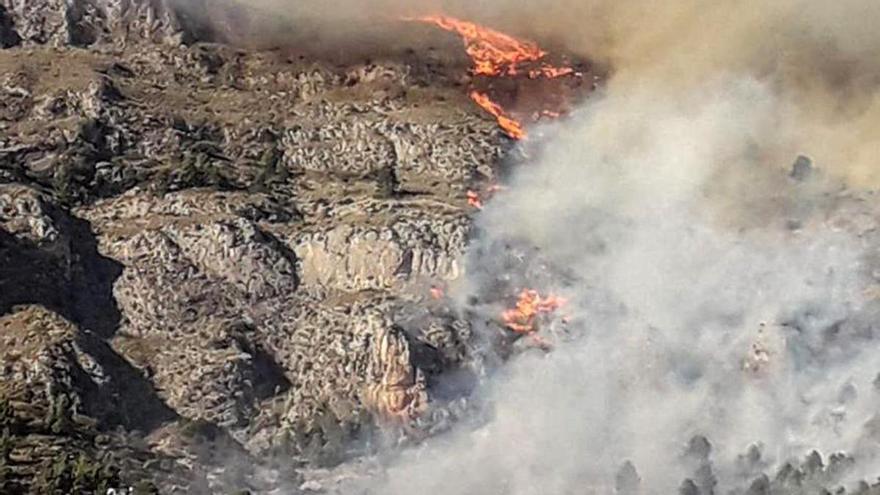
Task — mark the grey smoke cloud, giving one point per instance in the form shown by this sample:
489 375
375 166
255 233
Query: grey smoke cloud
697 309
820 57
713 294
688 320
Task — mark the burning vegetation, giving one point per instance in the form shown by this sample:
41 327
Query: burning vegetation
498 58
530 306
496 55
293 236
511 126
478 199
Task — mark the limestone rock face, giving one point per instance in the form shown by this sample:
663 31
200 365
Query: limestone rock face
59 363
215 262
85 22
61 389
49 258
203 247
352 257
337 141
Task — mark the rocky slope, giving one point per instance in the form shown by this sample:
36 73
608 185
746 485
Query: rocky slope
216 263
206 253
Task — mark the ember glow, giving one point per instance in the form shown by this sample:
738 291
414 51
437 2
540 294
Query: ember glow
530 305
476 199
437 293
495 54
473 199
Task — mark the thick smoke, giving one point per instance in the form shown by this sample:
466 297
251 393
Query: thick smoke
818 57
748 329
712 294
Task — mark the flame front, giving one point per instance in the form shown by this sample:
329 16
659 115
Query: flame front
495 54
530 305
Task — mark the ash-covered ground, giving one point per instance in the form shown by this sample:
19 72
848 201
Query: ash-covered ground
230 266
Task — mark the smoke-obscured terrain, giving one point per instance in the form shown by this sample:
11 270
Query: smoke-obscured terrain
817 58
240 250
718 289
711 295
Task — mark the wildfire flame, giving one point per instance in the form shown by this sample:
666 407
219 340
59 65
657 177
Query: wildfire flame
530 305
475 199
496 54
437 293
511 126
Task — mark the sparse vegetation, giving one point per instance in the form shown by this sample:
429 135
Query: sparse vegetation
200 430
7 414
272 170
6 446
195 169
69 474
60 417
144 488
62 186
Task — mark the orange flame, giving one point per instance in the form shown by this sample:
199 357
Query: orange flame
512 127
497 54
494 53
523 318
473 199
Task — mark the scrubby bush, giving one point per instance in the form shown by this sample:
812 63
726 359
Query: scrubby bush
79 474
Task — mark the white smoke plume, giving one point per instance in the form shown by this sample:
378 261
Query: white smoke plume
711 293
746 329
819 58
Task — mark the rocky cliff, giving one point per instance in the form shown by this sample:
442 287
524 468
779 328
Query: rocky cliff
206 252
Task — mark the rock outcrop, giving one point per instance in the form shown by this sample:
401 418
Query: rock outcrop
211 257
87 22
